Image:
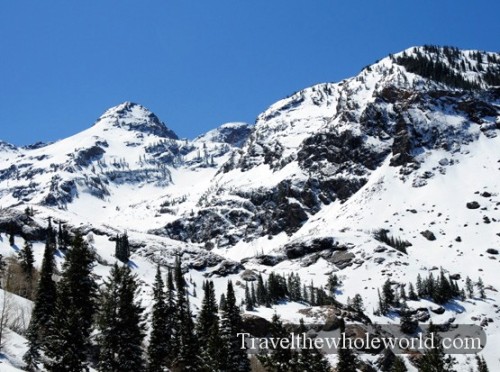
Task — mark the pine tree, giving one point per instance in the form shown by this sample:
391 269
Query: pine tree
44 306
420 287
261 291
231 324
207 330
248 298
26 259
122 248
398 365
253 295
120 323
184 343
480 288
357 303
407 324
310 359
346 357
411 293
444 290
434 359
279 359
69 327
481 364
402 293
333 284
469 286
382 305
388 293
222 302
158 343
170 316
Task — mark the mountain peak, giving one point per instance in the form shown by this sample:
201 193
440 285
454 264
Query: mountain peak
135 117
233 133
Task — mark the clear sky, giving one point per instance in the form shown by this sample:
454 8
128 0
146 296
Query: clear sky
198 64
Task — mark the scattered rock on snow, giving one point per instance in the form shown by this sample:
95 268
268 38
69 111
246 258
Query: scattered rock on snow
429 235
473 205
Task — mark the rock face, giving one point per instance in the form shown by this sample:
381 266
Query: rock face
327 155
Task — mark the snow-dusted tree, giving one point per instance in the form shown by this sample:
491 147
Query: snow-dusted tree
67 340
236 358
159 339
311 359
279 358
184 343
480 288
44 305
120 322
434 359
207 330
122 247
346 358
26 259
248 298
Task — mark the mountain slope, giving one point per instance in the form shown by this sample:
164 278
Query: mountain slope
407 146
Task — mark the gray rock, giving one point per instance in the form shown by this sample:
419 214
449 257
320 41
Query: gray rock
429 235
472 205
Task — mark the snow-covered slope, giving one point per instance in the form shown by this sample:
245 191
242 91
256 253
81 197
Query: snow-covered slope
403 146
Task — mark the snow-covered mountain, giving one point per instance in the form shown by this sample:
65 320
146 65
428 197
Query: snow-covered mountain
408 145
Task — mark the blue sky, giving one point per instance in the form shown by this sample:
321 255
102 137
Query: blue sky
198 64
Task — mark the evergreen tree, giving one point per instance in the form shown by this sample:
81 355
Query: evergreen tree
480 288
312 294
398 365
481 364
382 305
388 293
120 322
207 330
11 239
279 358
43 309
333 284
402 293
158 343
311 359
469 286
170 316
407 324
261 291
411 293
420 287
231 324
69 327
184 343
253 295
122 248
444 290
434 359
26 259
357 303
248 298
346 357
222 302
